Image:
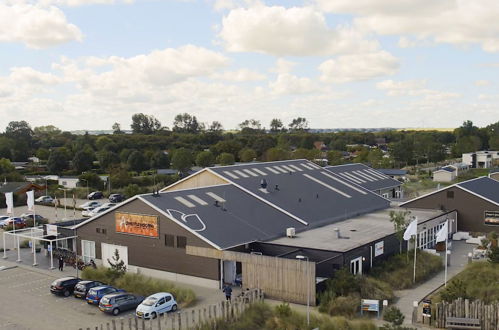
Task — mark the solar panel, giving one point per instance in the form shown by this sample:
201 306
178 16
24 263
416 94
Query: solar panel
232 175
272 170
184 201
280 169
288 168
344 183
327 186
240 173
306 166
259 171
296 168
249 172
197 200
215 196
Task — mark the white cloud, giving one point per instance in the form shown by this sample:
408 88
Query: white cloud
297 31
240 75
357 67
459 22
482 83
73 3
36 26
283 66
290 84
414 88
28 75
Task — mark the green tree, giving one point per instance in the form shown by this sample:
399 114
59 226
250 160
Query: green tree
93 180
393 315
250 126
205 159
145 124
494 142
185 123
375 157
104 142
215 127
107 159
298 124
247 155
43 153
58 161
117 128
19 130
117 267
6 166
159 159
132 190
225 159
276 126
274 154
399 221
137 162
83 160
229 146
119 177
334 157
182 160
466 144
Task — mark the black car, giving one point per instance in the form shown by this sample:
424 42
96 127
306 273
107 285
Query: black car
64 286
116 198
95 195
116 303
81 289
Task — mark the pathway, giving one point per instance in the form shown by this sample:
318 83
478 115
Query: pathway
458 261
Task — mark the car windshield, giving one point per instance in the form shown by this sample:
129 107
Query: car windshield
105 300
92 291
150 301
56 283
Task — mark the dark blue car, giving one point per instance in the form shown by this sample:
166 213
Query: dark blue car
94 295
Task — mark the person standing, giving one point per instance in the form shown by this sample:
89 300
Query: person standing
228 292
61 263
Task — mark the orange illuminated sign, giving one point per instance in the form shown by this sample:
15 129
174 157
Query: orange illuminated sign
137 224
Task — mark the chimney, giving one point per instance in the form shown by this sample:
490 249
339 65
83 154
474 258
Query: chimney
337 233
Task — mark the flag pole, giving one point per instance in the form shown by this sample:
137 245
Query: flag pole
446 252
415 247
34 240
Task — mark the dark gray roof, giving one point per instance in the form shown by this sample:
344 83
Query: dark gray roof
305 190
448 169
485 187
241 219
391 171
365 176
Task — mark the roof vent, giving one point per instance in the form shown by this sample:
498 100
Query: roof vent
263 184
277 187
216 203
337 233
290 232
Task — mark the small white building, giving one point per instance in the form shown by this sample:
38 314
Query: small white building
68 182
481 159
445 174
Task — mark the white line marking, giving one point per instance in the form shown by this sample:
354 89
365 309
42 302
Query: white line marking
296 168
259 171
359 173
244 175
197 199
307 167
215 197
344 183
272 170
280 169
249 172
286 167
378 174
352 177
184 201
232 175
327 186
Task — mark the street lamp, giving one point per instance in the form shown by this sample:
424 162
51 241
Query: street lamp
302 257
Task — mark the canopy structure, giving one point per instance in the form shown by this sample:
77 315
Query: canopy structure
33 234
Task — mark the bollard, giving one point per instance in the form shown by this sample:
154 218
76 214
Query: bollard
415 312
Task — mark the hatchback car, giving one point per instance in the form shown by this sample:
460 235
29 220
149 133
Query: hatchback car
116 198
44 199
81 289
90 204
116 303
155 305
18 222
37 217
64 286
95 195
87 211
97 210
94 295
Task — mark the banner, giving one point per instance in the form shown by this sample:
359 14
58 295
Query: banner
51 230
492 218
9 200
30 201
137 224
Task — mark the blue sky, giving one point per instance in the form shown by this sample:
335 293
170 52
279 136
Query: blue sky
85 64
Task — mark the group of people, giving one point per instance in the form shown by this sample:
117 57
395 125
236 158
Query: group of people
227 289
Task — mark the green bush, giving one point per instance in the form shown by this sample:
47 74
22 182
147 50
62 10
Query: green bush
372 288
393 315
24 244
342 305
140 284
398 269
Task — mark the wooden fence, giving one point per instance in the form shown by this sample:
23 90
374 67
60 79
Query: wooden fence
464 308
188 319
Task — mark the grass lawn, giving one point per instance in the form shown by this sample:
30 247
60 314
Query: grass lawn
479 280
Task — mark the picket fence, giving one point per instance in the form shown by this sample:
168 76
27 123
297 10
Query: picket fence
188 319
464 308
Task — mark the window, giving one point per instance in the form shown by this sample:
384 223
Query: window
450 194
181 242
88 250
97 230
169 240
168 298
104 231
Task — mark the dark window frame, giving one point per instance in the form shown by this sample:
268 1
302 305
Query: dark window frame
181 242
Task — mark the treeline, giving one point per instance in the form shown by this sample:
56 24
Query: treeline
153 146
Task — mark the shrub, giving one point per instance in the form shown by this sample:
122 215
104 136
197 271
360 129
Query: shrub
140 284
455 289
343 305
24 244
393 315
372 288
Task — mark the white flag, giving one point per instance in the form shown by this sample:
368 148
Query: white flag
31 199
411 230
443 233
9 200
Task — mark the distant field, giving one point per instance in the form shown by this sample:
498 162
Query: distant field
426 129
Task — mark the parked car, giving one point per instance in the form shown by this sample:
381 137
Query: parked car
116 198
64 286
4 217
95 195
44 200
81 289
87 212
108 204
116 303
95 294
38 218
98 210
19 222
93 204
156 304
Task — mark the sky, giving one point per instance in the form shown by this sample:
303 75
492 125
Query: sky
86 64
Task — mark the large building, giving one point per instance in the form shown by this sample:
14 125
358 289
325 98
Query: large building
476 202
252 219
481 159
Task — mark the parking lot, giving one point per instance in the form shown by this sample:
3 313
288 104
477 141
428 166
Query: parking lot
26 303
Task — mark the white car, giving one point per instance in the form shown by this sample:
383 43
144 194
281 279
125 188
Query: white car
87 211
156 304
44 199
92 204
108 204
98 210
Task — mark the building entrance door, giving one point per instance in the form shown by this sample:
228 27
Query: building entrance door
356 266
